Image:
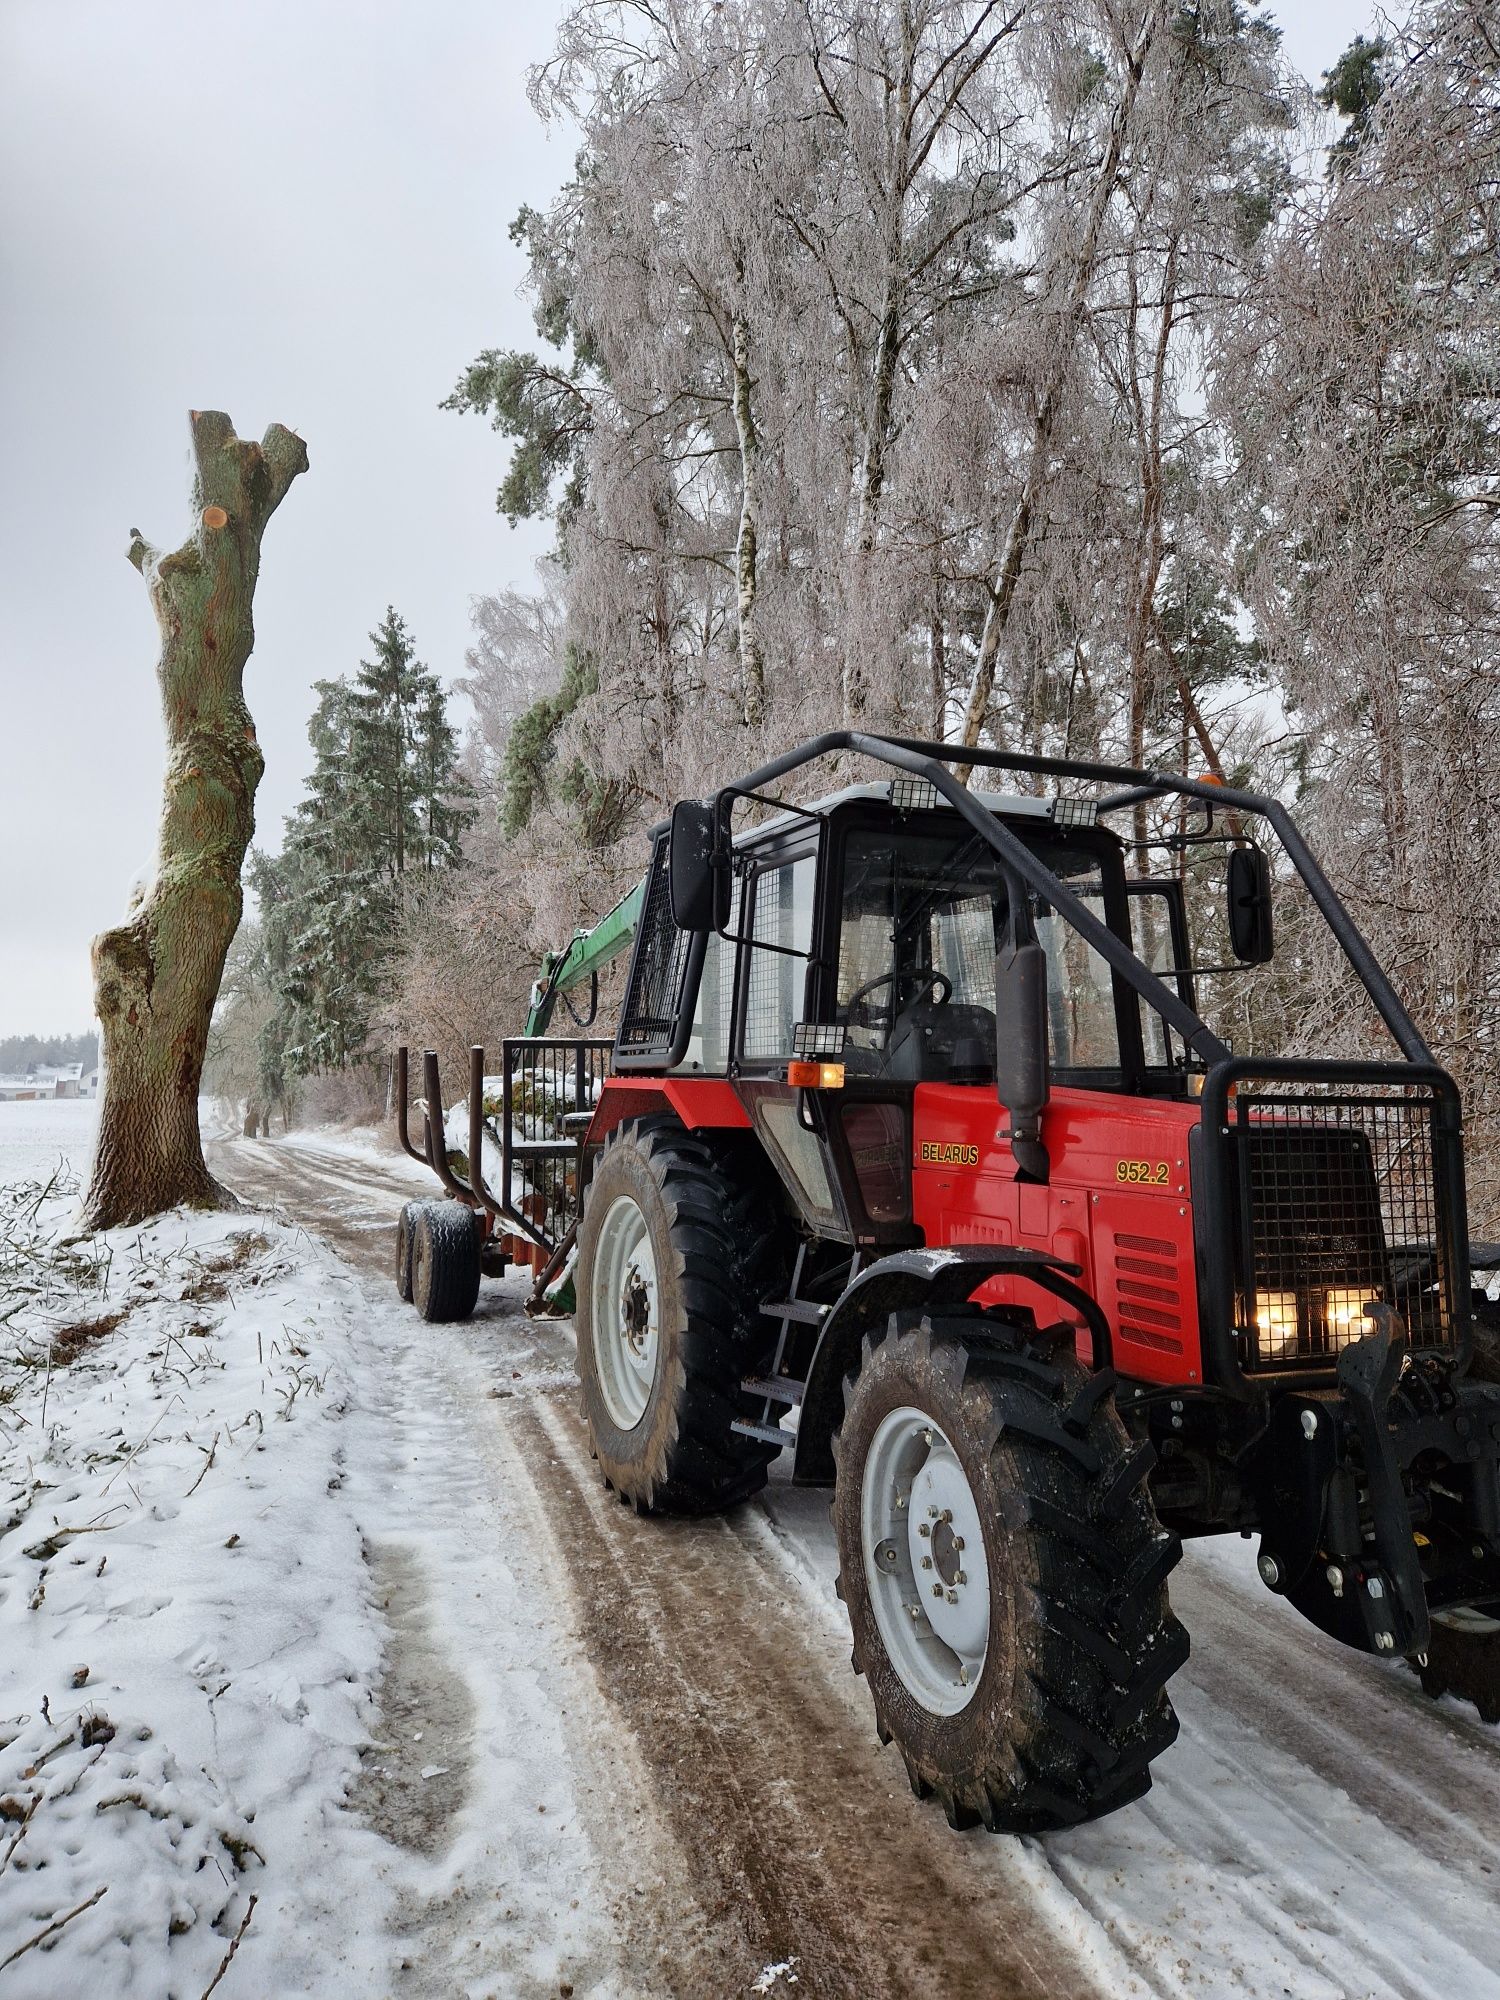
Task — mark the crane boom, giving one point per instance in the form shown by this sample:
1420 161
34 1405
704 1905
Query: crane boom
585 958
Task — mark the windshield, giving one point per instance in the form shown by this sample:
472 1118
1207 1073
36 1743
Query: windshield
922 914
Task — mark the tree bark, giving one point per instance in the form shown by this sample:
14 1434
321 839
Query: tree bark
747 548
156 976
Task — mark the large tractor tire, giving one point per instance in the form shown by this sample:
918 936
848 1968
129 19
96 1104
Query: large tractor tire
444 1260
1463 1653
1004 1573
675 1254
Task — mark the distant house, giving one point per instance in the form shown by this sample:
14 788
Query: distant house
47 1080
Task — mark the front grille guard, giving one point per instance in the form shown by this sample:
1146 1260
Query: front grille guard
1320 1188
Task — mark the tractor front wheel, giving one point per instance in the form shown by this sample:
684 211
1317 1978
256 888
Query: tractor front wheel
1004 1574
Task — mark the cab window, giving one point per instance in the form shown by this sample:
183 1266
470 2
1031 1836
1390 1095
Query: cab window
776 979
921 916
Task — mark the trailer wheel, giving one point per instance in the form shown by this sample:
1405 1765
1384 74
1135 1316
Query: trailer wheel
1004 1573
444 1260
674 1257
1463 1653
405 1223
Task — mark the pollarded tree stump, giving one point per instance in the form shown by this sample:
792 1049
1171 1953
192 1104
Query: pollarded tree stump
156 976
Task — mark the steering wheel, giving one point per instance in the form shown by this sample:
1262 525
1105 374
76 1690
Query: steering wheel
924 979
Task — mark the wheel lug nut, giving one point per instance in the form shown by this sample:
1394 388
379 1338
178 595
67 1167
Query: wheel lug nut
958 1543
937 1590
927 1562
961 1577
932 1514
953 1597
924 1527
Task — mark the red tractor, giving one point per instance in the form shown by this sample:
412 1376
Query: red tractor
916 1160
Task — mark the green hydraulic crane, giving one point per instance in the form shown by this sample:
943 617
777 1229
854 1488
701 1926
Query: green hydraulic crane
585 958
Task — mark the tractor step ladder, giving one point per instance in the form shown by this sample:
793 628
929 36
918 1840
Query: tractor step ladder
775 1386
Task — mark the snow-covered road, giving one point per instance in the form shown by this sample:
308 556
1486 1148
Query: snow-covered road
718 1804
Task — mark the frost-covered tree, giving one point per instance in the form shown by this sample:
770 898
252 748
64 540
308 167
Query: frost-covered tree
1361 391
1022 374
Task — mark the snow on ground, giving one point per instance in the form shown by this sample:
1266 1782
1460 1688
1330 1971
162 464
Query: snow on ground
363 1143
193 1474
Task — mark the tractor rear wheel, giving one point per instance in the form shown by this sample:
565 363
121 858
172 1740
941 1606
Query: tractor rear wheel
444 1260
1004 1573
1463 1653
675 1253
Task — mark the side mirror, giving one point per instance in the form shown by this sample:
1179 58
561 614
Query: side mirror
1249 892
698 867
1021 1064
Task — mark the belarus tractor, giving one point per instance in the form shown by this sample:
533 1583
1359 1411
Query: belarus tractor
914 1161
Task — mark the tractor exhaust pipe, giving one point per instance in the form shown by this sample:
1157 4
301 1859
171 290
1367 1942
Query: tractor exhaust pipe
1021 1078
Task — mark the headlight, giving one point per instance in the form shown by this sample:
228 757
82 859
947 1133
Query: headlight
1276 1329
1344 1316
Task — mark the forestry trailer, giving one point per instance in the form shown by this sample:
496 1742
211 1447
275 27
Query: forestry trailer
913 1158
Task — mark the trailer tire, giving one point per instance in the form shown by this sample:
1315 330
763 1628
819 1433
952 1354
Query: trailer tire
1038 1699
405 1223
444 1260
675 1254
1463 1651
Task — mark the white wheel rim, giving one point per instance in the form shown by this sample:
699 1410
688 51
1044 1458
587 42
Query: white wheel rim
923 1543
623 1313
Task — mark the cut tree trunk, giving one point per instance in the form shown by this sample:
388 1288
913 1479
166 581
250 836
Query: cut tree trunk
156 976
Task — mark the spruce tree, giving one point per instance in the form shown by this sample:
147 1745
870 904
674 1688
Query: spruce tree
384 798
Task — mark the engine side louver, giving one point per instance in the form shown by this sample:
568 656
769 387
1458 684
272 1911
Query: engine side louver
1148 1291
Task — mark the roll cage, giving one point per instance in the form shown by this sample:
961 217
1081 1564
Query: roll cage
1170 997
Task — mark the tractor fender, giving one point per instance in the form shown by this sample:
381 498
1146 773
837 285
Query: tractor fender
915 1280
700 1103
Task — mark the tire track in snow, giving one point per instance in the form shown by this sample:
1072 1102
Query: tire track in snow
1320 1830
1436 1784
797 1835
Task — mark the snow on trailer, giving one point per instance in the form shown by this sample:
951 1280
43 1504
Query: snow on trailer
905 1133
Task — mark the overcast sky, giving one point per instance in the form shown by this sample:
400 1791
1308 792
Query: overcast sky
295 211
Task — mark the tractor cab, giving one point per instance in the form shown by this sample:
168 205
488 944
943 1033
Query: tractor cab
866 929
857 988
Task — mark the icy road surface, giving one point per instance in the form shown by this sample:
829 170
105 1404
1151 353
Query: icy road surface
1320 1830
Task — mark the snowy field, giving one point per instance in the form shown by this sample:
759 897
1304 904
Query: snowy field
36 1138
